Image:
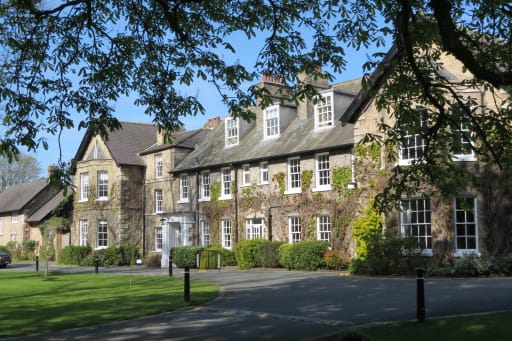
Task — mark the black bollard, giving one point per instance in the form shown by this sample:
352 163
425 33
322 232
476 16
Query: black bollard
170 265
96 264
37 263
186 282
420 294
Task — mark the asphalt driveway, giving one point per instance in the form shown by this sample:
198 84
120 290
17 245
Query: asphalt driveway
291 305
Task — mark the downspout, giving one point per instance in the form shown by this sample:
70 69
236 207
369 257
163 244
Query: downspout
236 205
144 188
198 228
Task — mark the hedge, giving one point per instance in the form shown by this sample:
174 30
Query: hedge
185 255
307 255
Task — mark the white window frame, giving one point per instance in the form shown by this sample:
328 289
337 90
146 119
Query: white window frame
254 228
323 223
246 175
322 172
158 238
204 192
231 131
294 229
415 143
226 233
102 185
205 232
462 131
294 177
271 121
159 201
159 165
416 221
83 230
324 111
102 235
84 186
184 189
225 184
263 173
464 220
14 219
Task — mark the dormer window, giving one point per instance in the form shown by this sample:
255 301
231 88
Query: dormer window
231 131
271 119
324 112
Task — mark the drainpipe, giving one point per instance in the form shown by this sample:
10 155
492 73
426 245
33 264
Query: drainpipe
198 228
236 205
144 188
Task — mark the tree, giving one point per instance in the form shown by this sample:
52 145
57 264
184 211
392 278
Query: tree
49 229
24 168
81 55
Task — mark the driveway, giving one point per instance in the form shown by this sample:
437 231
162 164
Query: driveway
291 305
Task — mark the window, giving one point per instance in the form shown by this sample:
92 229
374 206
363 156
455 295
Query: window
102 234
324 228
264 173
226 234
158 200
254 228
231 133
159 166
95 150
416 221
83 225
466 235
184 188
205 233
323 112
226 183
84 186
294 229
294 183
102 185
463 138
412 143
204 192
323 173
158 238
271 119
14 219
1 227
246 175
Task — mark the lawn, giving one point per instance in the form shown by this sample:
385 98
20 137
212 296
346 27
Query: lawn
30 304
495 327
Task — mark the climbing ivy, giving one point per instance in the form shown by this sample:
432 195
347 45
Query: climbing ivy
341 176
279 177
306 179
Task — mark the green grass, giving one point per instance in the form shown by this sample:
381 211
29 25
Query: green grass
495 327
30 304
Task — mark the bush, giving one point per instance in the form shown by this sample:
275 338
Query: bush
14 249
269 254
474 266
185 255
5 249
247 253
334 260
227 256
154 260
74 255
306 255
28 249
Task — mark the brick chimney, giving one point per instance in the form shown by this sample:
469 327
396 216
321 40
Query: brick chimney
212 123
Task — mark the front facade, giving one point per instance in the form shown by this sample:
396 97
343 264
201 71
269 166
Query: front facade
297 172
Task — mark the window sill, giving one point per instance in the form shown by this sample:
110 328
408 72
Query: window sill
462 253
245 185
182 201
82 200
203 200
101 248
464 158
263 183
321 189
227 197
293 191
101 199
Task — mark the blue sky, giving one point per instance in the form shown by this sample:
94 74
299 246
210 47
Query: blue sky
125 110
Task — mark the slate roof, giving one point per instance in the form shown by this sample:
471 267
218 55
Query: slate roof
184 139
298 138
16 197
45 210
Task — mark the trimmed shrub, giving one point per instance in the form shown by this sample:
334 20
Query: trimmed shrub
5 249
247 253
227 256
269 254
153 260
185 255
29 248
74 255
306 255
